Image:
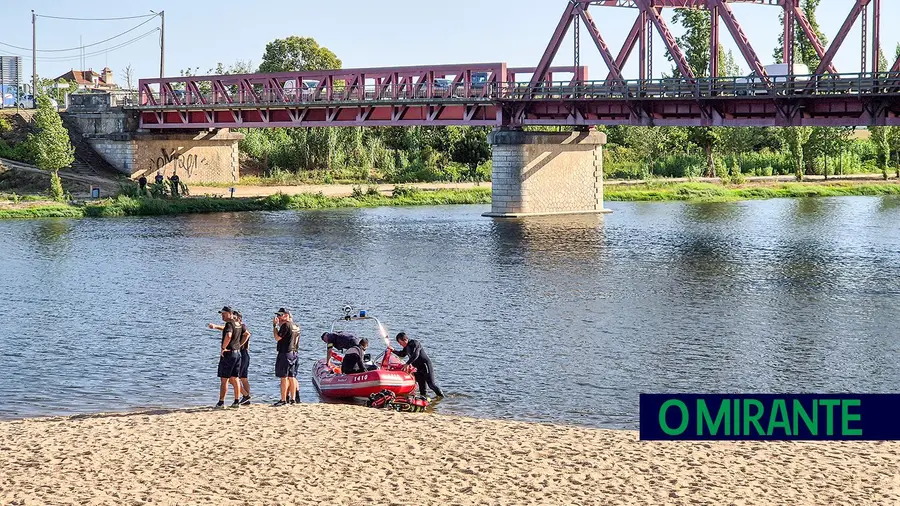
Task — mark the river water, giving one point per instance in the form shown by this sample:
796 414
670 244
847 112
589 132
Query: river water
561 319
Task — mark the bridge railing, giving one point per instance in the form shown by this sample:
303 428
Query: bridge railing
431 87
884 83
469 81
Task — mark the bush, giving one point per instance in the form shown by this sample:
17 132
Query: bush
405 191
5 126
21 152
56 190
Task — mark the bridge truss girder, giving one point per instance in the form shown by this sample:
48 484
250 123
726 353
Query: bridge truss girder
649 19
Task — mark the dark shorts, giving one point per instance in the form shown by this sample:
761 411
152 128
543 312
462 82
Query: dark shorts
286 365
245 364
230 364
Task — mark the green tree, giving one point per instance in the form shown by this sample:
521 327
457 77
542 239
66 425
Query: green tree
51 145
881 138
295 54
695 41
825 142
729 66
804 51
795 138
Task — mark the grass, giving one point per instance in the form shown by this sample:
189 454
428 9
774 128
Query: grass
709 192
408 196
127 206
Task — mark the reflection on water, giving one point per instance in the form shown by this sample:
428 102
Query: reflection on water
563 318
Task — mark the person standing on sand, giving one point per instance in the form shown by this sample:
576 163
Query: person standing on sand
229 359
244 334
419 359
287 340
245 358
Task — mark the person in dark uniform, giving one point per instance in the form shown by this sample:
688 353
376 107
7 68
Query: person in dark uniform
142 183
339 340
176 187
244 332
229 359
353 358
245 356
287 339
159 177
419 359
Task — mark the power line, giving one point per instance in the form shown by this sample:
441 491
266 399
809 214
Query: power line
78 48
78 57
96 19
106 50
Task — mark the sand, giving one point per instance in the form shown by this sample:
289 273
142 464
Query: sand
350 455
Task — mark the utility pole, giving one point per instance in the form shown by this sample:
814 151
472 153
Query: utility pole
162 44
34 57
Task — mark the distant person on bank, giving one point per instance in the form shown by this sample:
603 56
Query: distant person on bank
353 358
159 177
287 341
419 359
142 183
175 184
244 332
229 359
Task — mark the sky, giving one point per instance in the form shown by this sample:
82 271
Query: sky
363 33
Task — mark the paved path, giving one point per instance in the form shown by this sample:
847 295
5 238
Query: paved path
331 190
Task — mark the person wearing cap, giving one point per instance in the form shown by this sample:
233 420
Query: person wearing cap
353 359
339 340
244 332
419 359
287 340
229 359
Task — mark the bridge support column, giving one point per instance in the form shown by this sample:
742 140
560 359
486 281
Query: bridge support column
540 173
204 157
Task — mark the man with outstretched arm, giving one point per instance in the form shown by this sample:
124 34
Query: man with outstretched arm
229 359
241 328
287 340
419 359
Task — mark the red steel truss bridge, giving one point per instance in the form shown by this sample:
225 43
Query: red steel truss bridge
492 95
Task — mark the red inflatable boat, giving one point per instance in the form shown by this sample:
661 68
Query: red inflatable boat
387 371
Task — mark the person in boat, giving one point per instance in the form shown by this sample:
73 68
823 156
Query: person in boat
229 359
244 334
419 359
353 358
287 339
339 340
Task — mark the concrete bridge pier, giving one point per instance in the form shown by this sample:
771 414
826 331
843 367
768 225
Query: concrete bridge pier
544 173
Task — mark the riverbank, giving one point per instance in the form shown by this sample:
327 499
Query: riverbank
711 192
213 200
126 206
351 455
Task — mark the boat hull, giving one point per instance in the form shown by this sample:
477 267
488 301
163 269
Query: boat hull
361 384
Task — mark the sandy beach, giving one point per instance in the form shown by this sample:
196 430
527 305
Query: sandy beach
349 455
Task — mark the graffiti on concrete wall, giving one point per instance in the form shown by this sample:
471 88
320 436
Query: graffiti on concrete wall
185 162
